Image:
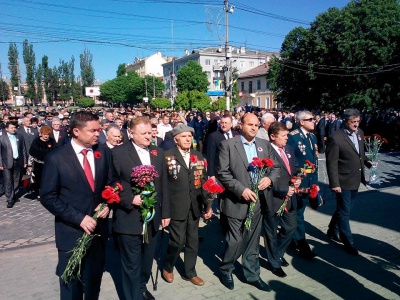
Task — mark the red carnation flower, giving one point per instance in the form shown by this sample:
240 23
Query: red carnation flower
97 154
268 162
194 159
107 194
153 152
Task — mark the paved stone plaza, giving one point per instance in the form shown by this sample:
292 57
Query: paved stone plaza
28 255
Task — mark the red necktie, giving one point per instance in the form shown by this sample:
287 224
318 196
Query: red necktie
87 169
285 160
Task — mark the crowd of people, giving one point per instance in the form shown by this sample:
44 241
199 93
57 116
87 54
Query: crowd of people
76 154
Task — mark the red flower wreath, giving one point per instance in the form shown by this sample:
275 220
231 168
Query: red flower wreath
153 152
97 154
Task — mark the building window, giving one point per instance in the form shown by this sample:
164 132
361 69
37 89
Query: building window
267 103
258 101
207 62
266 86
251 64
208 74
216 62
258 84
250 86
242 64
242 86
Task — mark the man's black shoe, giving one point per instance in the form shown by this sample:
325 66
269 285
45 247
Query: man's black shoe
147 296
332 235
307 254
284 263
350 249
278 272
10 204
261 285
227 281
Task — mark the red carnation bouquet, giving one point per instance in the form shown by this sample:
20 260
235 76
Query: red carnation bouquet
73 269
258 167
213 189
142 180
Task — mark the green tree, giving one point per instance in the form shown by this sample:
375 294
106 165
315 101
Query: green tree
67 79
347 57
192 78
153 87
85 102
121 70
127 89
13 64
30 64
39 83
199 100
46 77
182 101
3 91
87 71
220 104
54 85
160 103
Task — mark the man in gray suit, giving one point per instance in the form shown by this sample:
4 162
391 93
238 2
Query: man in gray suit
13 158
235 155
345 161
266 120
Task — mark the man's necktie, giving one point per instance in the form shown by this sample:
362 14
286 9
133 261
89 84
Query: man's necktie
227 135
87 169
28 130
285 160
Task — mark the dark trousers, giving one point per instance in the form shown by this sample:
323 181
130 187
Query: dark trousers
88 286
321 143
277 242
240 241
136 260
340 221
183 233
11 179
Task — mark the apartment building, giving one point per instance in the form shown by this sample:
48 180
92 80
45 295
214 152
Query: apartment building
150 65
212 60
253 88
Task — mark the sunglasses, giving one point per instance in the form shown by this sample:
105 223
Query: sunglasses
309 119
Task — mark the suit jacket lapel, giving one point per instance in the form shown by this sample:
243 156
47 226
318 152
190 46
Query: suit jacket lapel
134 155
348 140
240 149
98 164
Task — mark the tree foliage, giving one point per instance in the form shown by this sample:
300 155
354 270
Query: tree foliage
67 80
160 103
3 91
192 78
121 70
13 64
188 100
87 71
85 102
219 104
348 57
30 65
127 89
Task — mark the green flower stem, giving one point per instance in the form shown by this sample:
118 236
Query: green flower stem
73 269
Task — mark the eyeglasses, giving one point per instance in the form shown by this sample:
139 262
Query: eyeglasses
309 119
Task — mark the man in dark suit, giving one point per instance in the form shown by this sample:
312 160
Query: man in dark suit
27 132
136 256
320 133
13 159
345 160
104 123
186 174
155 140
304 144
59 136
72 194
213 142
277 242
235 155
332 125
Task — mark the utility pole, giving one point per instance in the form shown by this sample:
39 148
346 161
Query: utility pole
172 82
154 88
228 54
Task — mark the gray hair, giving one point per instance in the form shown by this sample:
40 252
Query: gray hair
112 126
301 115
267 117
350 112
56 119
